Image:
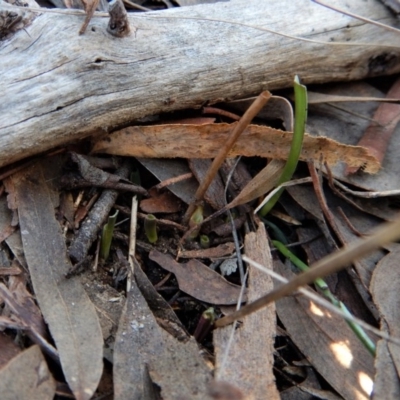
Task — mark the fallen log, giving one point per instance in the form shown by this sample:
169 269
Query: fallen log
59 86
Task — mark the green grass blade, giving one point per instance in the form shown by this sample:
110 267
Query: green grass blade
106 237
321 284
300 118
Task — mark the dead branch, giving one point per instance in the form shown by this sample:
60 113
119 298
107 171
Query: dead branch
58 86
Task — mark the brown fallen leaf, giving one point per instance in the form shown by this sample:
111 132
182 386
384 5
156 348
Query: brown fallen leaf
222 250
346 124
198 280
26 376
64 303
204 141
215 193
328 343
386 382
250 359
385 287
21 303
160 202
317 98
145 354
164 170
377 136
8 349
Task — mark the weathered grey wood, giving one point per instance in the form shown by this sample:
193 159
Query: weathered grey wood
57 86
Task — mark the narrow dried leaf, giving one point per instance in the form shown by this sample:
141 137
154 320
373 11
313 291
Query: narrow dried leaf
262 183
222 250
65 305
204 141
167 169
198 280
328 343
251 358
317 98
5 220
378 134
386 382
145 354
26 376
346 123
160 202
385 288
215 192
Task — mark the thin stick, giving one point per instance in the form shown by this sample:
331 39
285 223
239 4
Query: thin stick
356 16
328 265
132 243
247 117
325 303
134 5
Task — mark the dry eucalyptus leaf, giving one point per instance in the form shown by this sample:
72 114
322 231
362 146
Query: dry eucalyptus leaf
328 343
204 141
278 108
198 280
317 98
26 376
251 357
144 354
386 382
346 123
215 194
385 288
166 169
64 303
222 250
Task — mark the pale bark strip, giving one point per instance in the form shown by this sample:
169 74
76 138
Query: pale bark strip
58 86
251 357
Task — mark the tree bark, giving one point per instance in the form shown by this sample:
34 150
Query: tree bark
58 86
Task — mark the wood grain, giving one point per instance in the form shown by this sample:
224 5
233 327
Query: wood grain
58 86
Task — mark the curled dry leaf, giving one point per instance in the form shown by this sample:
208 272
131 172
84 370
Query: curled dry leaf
198 280
205 141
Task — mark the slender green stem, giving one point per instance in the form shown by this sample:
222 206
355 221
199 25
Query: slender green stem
300 117
150 228
106 236
321 284
195 220
204 241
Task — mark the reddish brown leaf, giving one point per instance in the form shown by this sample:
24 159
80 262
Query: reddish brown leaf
377 136
198 280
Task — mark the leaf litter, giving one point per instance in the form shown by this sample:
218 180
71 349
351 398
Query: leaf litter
152 352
